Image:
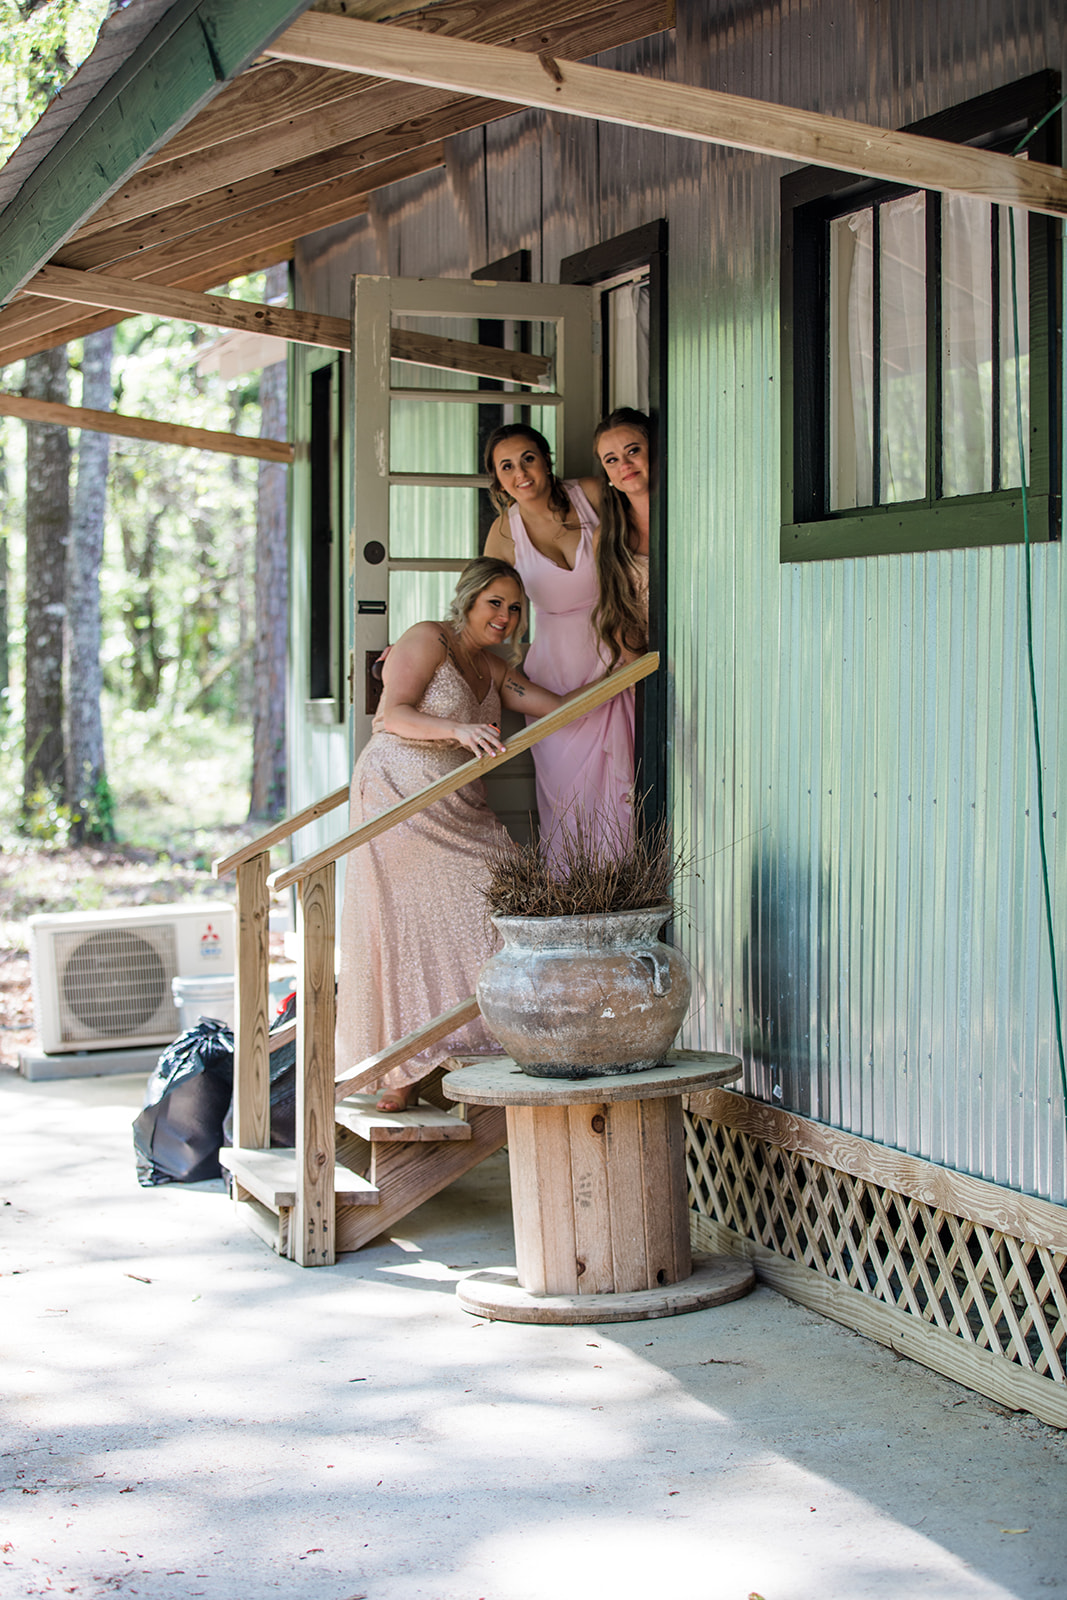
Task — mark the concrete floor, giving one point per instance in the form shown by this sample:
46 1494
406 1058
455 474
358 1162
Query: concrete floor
186 1415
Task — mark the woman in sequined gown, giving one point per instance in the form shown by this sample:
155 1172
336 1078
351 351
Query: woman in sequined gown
414 929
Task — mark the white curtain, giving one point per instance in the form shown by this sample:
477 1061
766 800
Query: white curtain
903 345
628 355
851 360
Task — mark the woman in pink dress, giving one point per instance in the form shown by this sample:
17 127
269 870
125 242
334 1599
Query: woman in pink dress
414 931
547 529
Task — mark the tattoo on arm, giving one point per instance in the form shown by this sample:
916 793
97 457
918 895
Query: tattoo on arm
515 686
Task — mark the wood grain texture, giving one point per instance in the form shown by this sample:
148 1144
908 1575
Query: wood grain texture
480 361
419 1125
162 84
664 1190
551 1156
251 1047
587 1130
498 1296
630 1265
233 444
272 1177
406 1175
374 1068
280 832
1003 1209
707 115
206 310
497 1081
313 1217
322 122
525 1198
976 1369
600 692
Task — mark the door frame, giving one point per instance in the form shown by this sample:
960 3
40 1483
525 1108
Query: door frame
644 246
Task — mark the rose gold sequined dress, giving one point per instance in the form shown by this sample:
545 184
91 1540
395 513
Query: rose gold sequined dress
414 933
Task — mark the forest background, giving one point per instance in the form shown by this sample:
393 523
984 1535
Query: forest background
142 596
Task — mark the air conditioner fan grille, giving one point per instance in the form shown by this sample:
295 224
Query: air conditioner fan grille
115 981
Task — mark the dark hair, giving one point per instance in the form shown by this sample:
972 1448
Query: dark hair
618 617
476 576
558 497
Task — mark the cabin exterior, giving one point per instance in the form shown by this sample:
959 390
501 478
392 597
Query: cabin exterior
840 729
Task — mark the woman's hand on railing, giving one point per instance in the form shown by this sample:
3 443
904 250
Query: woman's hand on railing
480 738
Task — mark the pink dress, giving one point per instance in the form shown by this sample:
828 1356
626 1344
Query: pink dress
589 766
414 930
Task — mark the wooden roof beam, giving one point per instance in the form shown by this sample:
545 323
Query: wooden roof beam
179 67
372 110
706 115
297 327
208 310
231 444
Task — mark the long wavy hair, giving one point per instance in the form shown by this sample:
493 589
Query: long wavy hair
558 498
617 617
476 576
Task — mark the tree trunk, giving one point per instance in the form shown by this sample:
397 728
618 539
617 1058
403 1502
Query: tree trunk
87 792
272 597
47 534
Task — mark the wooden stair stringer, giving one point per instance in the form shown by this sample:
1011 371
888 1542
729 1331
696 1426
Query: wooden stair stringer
405 1175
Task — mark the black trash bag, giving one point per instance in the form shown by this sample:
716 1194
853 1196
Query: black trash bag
282 1087
177 1137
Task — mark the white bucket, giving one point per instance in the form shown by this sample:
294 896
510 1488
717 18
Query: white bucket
204 997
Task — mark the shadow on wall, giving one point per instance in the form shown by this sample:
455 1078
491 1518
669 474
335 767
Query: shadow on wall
780 1039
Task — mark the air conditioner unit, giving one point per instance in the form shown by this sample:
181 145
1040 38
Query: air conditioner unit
102 980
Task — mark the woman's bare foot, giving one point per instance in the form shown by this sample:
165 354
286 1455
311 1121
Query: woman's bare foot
394 1100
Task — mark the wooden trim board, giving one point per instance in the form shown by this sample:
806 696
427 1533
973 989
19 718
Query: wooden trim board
1005 1210
231 444
707 115
976 1369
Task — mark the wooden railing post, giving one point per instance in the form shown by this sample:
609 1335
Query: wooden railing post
314 1225
251 1046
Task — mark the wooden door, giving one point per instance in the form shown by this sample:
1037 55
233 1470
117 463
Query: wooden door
419 378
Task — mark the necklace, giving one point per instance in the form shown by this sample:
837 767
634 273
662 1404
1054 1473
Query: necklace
467 664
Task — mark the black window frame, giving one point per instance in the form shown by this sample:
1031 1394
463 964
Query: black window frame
325 700
641 247
811 198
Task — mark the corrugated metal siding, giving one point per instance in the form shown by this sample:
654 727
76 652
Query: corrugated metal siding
851 752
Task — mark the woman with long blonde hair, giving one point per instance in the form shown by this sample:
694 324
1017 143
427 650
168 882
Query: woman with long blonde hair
621 443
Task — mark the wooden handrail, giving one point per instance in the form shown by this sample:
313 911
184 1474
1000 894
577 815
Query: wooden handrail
580 706
368 1072
280 831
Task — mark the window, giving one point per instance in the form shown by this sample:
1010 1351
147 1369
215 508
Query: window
630 275
325 674
901 422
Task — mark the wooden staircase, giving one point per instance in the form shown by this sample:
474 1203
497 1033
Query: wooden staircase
354 1172
386 1164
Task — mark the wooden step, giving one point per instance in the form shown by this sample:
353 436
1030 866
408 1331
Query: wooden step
405 1175
419 1124
270 1176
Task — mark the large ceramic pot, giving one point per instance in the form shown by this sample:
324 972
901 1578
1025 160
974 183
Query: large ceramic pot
573 997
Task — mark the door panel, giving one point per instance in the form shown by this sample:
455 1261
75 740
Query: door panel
416 471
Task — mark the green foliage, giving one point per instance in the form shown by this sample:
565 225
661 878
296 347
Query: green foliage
45 819
41 43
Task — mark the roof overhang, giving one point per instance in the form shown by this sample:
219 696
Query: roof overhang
284 120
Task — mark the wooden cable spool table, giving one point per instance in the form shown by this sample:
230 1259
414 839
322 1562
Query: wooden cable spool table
599 1193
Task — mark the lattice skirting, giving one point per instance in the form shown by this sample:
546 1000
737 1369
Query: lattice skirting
966 1277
